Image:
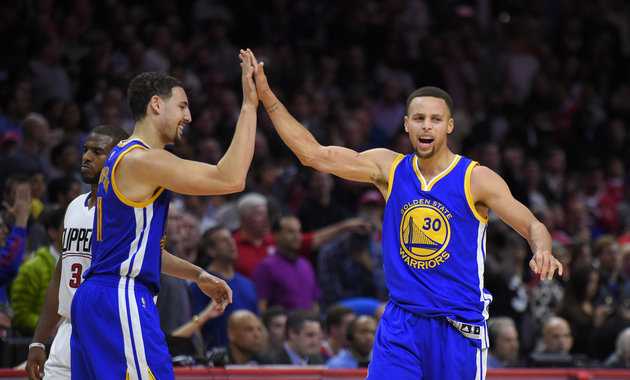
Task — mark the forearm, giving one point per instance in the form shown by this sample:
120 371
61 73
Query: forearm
234 165
49 316
328 233
294 134
539 238
176 267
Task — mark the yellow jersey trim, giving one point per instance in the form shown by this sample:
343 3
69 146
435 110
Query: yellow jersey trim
469 198
115 187
391 174
428 186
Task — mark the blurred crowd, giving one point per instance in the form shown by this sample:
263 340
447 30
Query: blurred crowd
541 93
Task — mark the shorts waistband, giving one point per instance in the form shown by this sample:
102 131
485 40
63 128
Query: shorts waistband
114 281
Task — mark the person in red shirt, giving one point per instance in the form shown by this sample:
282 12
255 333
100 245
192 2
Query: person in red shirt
255 241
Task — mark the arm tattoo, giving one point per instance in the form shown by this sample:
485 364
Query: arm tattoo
272 108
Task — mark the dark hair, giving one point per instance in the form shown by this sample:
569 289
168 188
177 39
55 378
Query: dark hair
52 217
272 312
335 313
434 92
203 260
115 132
144 86
58 186
297 318
59 149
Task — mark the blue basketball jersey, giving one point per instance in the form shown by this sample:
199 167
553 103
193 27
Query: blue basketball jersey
434 245
128 236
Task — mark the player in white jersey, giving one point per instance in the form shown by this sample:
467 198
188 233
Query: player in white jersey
75 259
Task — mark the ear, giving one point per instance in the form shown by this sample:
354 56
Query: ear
405 122
155 104
451 125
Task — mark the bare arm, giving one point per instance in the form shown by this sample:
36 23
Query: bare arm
48 319
490 190
189 328
328 233
213 287
141 171
370 166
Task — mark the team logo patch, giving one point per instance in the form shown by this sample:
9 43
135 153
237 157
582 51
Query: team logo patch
424 233
144 303
105 178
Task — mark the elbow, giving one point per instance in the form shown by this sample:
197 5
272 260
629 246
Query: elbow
236 186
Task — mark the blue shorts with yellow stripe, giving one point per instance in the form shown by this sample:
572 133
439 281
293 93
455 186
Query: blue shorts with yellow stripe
116 332
408 346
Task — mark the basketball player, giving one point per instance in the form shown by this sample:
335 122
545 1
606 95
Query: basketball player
115 325
434 231
75 259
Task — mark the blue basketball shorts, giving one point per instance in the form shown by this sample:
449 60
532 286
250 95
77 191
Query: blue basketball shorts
116 332
408 346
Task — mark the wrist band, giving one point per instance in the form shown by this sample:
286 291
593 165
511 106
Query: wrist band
37 344
195 318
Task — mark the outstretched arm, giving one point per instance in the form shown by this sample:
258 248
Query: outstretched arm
370 166
489 189
153 168
212 286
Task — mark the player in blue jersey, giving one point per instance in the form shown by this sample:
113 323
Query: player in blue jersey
115 325
434 231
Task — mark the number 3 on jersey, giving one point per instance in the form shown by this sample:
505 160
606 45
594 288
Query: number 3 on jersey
77 271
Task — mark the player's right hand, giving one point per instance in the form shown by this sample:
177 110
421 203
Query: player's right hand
35 363
249 87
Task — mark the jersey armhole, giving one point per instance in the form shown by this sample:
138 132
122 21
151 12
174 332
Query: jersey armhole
392 170
121 197
469 198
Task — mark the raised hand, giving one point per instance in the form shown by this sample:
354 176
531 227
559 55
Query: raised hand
249 87
21 207
259 75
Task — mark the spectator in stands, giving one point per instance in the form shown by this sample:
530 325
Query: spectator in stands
29 155
6 315
556 336
578 307
245 332
13 238
320 209
255 242
337 320
285 278
62 190
217 254
360 336
504 345
621 357
29 287
275 321
304 333
352 266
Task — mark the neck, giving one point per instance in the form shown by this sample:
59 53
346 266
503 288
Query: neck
358 355
224 269
146 131
239 355
92 196
252 238
436 164
334 345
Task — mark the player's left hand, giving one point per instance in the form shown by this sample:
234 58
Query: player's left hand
35 363
216 289
545 264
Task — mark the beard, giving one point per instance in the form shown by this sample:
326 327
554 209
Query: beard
91 180
177 140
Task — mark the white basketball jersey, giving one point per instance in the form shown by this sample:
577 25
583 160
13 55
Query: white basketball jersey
76 253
